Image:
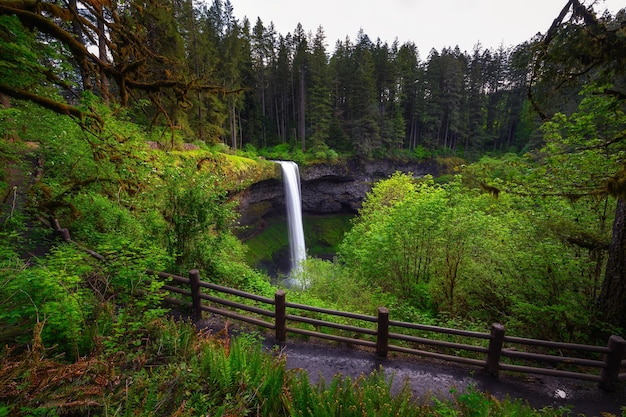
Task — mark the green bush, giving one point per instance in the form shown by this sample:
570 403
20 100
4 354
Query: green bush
48 304
196 212
98 216
467 254
420 152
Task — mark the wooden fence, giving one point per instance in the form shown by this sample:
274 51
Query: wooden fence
493 351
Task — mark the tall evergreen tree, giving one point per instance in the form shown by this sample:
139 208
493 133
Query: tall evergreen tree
445 83
476 113
300 70
282 89
364 127
391 119
320 111
232 50
495 74
411 95
263 56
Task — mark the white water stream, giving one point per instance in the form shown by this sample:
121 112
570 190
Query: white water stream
293 201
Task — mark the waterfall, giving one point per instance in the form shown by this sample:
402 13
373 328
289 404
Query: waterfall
293 201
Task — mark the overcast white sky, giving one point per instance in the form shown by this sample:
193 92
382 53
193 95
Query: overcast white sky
427 23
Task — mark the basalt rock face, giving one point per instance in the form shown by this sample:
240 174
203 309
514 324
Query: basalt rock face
341 188
326 189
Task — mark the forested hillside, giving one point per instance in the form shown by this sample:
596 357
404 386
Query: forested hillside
135 124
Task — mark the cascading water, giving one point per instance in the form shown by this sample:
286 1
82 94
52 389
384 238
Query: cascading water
293 201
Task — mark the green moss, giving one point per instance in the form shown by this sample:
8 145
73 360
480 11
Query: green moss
262 246
321 233
324 233
238 171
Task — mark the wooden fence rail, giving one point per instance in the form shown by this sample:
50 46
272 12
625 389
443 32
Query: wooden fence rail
602 364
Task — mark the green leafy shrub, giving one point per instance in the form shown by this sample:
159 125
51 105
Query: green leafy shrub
279 152
98 216
327 284
49 305
421 153
464 253
196 213
393 242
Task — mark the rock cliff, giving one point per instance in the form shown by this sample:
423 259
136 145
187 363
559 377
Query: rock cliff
326 188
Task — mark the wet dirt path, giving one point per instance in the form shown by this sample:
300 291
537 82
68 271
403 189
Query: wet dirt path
426 376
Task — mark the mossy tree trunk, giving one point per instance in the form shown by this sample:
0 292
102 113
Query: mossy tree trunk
612 300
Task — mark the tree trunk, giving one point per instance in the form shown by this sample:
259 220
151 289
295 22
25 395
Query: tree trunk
301 119
263 104
5 101
612 300
102 54
233 126
240 129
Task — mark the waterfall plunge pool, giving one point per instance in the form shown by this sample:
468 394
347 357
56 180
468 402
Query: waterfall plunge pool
268 249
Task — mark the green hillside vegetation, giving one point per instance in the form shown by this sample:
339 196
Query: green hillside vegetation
135 124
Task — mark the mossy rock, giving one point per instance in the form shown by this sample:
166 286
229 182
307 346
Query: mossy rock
323 234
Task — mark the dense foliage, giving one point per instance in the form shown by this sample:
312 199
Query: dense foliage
448 252
177 371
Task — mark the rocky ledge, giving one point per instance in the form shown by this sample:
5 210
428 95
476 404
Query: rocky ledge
326 188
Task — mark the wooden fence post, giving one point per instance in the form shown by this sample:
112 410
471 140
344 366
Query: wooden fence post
281 316
382 335
612 362
196 302
495 349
